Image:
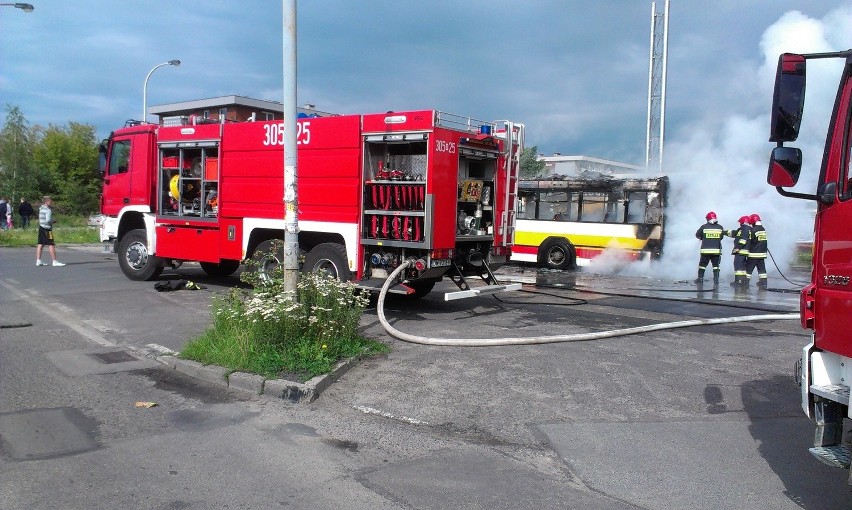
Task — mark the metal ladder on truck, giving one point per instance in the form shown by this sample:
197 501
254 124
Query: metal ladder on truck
514 148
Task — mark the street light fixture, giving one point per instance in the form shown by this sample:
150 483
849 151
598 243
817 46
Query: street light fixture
145 87
19 5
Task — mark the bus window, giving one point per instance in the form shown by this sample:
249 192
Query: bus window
614 209
636 202
574 207
553 206
527 205
594 207
654 212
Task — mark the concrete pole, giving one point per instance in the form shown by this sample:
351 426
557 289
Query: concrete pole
290 261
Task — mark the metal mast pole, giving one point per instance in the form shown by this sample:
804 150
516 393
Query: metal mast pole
657 89
290 260
648 123
663 84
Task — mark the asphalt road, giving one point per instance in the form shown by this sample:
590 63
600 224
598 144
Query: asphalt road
704 417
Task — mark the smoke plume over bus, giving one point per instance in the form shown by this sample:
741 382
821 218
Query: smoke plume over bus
719 163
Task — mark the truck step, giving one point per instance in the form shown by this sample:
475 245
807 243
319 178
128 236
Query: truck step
481 290
835 392
834 456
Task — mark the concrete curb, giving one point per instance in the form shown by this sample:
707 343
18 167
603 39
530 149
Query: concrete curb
297 392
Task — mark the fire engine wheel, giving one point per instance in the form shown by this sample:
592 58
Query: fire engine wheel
328 257
224 268
266 257
557 254
134 259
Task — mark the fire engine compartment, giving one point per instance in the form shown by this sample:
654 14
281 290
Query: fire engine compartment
410 188
189 179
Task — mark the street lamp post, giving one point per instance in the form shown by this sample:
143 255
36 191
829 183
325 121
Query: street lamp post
19 5
145 87
26 8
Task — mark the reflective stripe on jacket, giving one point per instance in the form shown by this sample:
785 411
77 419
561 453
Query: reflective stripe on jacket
710 235
758 246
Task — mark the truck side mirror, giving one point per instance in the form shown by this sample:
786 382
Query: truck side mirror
788 100
102 152
785 165
827 192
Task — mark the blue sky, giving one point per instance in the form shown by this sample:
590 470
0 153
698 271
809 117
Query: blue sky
574 72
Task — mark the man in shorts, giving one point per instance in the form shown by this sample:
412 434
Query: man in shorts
45 233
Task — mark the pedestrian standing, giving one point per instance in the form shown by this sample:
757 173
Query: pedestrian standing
9 224
757 252
710 234
25 211
45 232
3 207
742 241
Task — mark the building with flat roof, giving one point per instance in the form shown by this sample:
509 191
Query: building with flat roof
577 165
231 108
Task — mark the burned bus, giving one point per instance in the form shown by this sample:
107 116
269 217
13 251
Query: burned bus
564 222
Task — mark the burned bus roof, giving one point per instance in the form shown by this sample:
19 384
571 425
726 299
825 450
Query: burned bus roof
598 182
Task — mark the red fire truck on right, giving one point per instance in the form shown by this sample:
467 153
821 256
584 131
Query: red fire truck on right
825 370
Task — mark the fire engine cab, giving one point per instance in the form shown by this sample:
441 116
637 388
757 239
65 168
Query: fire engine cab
824 371
374 191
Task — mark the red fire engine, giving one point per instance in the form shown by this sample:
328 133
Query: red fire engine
825 369
373 191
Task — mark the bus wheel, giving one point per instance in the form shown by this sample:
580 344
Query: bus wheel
134 259
223 268
328 257
557 254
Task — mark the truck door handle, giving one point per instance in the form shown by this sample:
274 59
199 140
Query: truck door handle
126 200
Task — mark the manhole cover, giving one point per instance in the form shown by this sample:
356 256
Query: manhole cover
112 357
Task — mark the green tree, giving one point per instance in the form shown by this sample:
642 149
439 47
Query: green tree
531 167
16 148
68 159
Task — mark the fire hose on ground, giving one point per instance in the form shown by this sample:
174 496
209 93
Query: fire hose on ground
575 337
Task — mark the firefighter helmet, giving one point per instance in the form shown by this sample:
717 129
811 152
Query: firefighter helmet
711 216
754 218
743 219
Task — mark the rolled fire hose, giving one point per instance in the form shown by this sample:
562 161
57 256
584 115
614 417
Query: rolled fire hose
576 337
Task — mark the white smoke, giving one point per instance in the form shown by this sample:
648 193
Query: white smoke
721 166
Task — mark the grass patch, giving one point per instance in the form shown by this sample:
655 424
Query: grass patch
272 332
68 230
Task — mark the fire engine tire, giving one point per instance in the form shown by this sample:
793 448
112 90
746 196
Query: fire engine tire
421 289
224 268
557 254
135 260
328 257
264 261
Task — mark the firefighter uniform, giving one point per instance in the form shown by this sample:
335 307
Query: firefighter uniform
710 234
742 242
758 249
